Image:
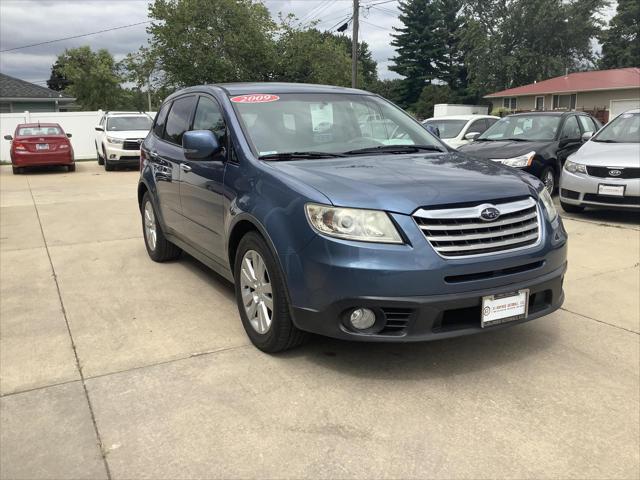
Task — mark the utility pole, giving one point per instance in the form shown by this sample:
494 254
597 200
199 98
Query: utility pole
149 91
354 44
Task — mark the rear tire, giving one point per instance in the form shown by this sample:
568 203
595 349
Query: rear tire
567 207
281 334
71 168
158 247
16 170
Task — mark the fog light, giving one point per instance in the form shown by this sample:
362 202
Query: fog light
112 156
362 318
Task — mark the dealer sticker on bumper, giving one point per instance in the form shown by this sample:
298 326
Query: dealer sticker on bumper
612 190
505 307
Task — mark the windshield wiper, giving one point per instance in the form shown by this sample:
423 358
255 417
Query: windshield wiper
605 141
300 155
395 149
516 140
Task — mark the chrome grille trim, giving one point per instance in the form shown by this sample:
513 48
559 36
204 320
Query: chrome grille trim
461 232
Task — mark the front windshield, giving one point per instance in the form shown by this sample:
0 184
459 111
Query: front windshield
115 124
447 128
524 128
326 122
622 129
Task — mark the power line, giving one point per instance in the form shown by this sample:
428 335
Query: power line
75 36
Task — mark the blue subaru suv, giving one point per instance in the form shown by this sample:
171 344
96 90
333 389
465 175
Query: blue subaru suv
334 212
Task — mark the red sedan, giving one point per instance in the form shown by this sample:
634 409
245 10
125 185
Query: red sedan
40 144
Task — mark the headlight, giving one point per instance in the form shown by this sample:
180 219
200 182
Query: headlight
549 207
352 223
573 167
115 141
519 162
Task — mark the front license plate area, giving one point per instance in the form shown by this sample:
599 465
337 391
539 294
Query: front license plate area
505 307
611 190
42 146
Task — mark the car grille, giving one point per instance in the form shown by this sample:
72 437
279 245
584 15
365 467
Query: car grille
605 172
131 144
461 232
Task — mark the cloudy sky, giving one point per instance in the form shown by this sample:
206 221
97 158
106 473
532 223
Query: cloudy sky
25 22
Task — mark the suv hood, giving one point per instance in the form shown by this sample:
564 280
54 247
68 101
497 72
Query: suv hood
128 134
609 154
403 183
502 149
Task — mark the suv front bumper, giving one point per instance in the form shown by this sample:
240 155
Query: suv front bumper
121 156
416 294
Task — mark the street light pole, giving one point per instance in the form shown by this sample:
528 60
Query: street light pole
354 44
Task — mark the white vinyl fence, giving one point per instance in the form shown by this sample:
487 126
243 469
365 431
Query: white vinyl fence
79 124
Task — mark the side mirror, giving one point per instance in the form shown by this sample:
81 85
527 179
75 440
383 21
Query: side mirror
472 136
200 145
69 135
433 130
8 137
586 136
99 128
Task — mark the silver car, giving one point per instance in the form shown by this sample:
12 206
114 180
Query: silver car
605 172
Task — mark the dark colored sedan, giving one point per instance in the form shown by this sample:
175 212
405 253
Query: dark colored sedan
536 142
39 145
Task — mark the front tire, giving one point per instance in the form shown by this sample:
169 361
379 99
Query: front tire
548 177
100 159
158 247
567 207
261 296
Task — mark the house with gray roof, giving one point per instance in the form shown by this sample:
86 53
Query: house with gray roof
18 96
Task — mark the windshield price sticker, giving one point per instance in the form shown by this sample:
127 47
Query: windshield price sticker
256 98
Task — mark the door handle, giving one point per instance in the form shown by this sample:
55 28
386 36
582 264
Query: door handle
185 167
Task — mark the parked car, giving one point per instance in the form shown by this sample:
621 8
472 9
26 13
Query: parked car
338 233
119 136
605 171
458 130
536 142
39 145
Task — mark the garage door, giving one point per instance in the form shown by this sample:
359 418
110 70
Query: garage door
619 106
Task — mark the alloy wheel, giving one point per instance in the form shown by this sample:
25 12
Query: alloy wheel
257 292
150 231
549 181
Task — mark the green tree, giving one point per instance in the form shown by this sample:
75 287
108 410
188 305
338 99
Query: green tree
389 89
417 45
310 56
430 96
93 77
621 41
367 66
509 43
211 41
57 81
141 68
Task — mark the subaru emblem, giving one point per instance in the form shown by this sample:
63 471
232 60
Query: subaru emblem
489 214
615 173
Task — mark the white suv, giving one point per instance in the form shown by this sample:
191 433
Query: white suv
119 136
458 130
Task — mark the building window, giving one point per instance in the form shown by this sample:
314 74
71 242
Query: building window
510 102
540 103
564 102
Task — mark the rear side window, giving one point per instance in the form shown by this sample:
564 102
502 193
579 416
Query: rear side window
209 117
571 129
161 118
479 126
586 123
179 119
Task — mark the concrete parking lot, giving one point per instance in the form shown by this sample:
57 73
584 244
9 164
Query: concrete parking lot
113 366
